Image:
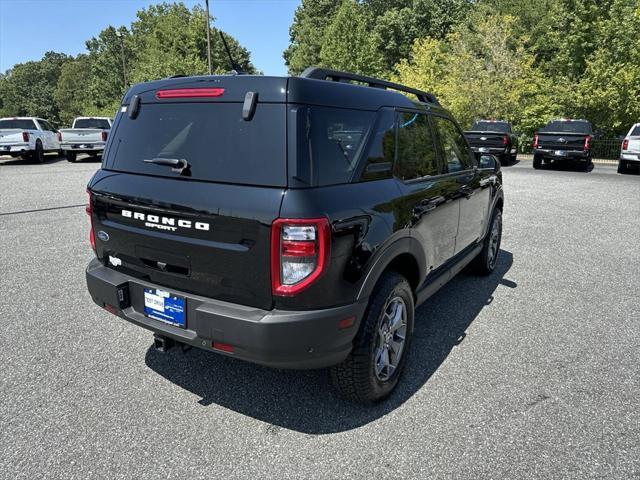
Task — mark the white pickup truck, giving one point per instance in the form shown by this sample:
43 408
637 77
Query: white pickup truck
630 152
86 135
27 137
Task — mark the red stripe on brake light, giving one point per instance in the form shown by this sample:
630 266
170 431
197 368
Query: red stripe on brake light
505 140
104 136
536 142
308 247
625 144
190 93
587 142
25 136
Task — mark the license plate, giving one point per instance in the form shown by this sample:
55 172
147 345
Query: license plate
6 149
559 153
483 149
165 306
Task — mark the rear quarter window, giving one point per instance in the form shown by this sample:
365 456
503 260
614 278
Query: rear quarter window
212 137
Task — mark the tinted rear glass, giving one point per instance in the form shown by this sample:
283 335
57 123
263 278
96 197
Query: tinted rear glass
567 127
17 123
335 139
92 123
498 127
213 138
635 132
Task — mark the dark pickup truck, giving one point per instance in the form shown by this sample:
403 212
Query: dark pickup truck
493 137
564 141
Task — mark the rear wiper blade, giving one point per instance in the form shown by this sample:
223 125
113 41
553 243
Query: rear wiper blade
178 165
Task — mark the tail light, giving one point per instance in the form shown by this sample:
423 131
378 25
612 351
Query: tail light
25 136
59 135
104 136
300 250
89 209
505 140
536 142
587 143
625 144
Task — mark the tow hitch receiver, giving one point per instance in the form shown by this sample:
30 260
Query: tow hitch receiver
161 343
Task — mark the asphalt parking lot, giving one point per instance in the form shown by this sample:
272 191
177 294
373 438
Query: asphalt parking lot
530 373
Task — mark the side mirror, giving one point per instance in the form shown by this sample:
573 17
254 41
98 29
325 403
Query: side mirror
489 162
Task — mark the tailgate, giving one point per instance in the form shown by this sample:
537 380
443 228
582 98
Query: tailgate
208 239
561 141
9 137
634 145
83 135
482 139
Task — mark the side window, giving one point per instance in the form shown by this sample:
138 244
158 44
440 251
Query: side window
455 149
417 155
381 148
46 125
337 137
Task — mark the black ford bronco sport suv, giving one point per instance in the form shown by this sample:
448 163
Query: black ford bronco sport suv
294 222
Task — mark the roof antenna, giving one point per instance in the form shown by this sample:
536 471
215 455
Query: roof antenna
237 69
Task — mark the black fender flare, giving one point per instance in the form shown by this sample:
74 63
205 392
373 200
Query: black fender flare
404 245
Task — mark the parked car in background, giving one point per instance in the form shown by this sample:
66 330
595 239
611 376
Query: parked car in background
27 137
294 222
630 151
86 135
493 137
563 141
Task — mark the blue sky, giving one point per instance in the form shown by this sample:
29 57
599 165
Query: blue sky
29 28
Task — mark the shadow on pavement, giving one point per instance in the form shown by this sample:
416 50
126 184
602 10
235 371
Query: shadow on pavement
302 400
48 160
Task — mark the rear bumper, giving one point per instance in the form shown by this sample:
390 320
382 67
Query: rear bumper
14 148
630 157
490 150
82 147
276 338
567 155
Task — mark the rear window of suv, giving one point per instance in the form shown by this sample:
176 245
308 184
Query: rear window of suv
22 124
635 132
92 123
213 138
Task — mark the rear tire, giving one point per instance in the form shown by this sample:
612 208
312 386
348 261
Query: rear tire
373 368
38 153
71 156
537 162
622 166
485 262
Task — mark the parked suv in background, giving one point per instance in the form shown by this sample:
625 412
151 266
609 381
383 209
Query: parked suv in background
28 137
294 222
563 141
630 152
495 137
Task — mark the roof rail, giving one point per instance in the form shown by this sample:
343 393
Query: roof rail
318 73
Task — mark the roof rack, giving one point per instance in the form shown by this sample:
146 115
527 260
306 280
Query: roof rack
318 73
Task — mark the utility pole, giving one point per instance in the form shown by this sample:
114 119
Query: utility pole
124 65
206 2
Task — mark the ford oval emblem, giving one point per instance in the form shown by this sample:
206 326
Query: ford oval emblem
104 236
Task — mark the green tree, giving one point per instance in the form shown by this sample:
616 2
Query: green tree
310 22
29 87
71 93
349 43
